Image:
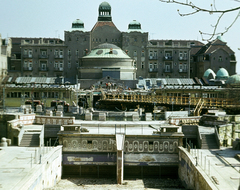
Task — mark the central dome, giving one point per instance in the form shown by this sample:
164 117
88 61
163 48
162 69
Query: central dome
107 50
107 46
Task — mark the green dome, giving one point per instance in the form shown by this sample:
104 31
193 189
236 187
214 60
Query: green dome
104 6
107 50
209 74
77 25
78 21
233 80
134 26
222 74
104 12
134 22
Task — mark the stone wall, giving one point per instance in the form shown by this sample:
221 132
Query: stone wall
54 120
192 176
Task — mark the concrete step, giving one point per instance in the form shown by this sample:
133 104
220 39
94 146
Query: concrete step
30 140
209 141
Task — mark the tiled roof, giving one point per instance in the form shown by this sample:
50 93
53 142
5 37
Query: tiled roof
103 23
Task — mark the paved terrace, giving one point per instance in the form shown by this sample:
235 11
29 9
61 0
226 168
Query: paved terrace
21 168
219 166
127 127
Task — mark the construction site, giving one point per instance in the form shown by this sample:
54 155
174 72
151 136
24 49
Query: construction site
188 133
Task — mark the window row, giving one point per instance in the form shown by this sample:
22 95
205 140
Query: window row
27 95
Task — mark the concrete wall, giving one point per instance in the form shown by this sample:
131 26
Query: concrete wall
176 114
192 176
46 174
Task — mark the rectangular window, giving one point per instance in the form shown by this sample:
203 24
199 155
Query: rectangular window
56 52
135 53
56 64
43 52
185 54
69 64
155 66
142 65
30 52
30 64
180 54
150 65
143 54
61 64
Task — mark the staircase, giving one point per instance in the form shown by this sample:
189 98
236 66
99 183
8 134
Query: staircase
30 140
209 141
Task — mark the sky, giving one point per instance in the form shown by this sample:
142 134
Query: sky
50 18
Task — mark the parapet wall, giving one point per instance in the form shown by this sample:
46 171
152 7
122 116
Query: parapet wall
54 120
47 172
192 176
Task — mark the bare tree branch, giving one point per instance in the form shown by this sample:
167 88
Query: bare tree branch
213 10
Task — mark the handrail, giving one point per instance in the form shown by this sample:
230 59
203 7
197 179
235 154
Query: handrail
199 138
217 136
178 100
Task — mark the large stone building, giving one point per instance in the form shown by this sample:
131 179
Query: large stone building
214 55
152 58
5 49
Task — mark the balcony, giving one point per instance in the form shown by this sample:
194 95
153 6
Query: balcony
182 70
167 58
27 56
153 70
27 68
182 58
58 56
167 70
43 68
58 69
43 56
153 57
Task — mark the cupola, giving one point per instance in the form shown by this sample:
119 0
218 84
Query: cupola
104 12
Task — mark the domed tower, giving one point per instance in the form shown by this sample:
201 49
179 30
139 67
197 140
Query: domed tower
104 12
105 31
134 26
78 25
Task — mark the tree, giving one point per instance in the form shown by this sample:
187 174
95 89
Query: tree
212 10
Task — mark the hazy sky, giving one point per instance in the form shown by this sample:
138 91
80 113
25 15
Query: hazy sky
50 18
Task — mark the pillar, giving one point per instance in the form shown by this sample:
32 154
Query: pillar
120 166
120 138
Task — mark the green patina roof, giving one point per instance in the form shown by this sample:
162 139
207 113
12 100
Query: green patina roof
77 25
209 73
221 38
234 80
104 6
134 26
107 50
222 73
